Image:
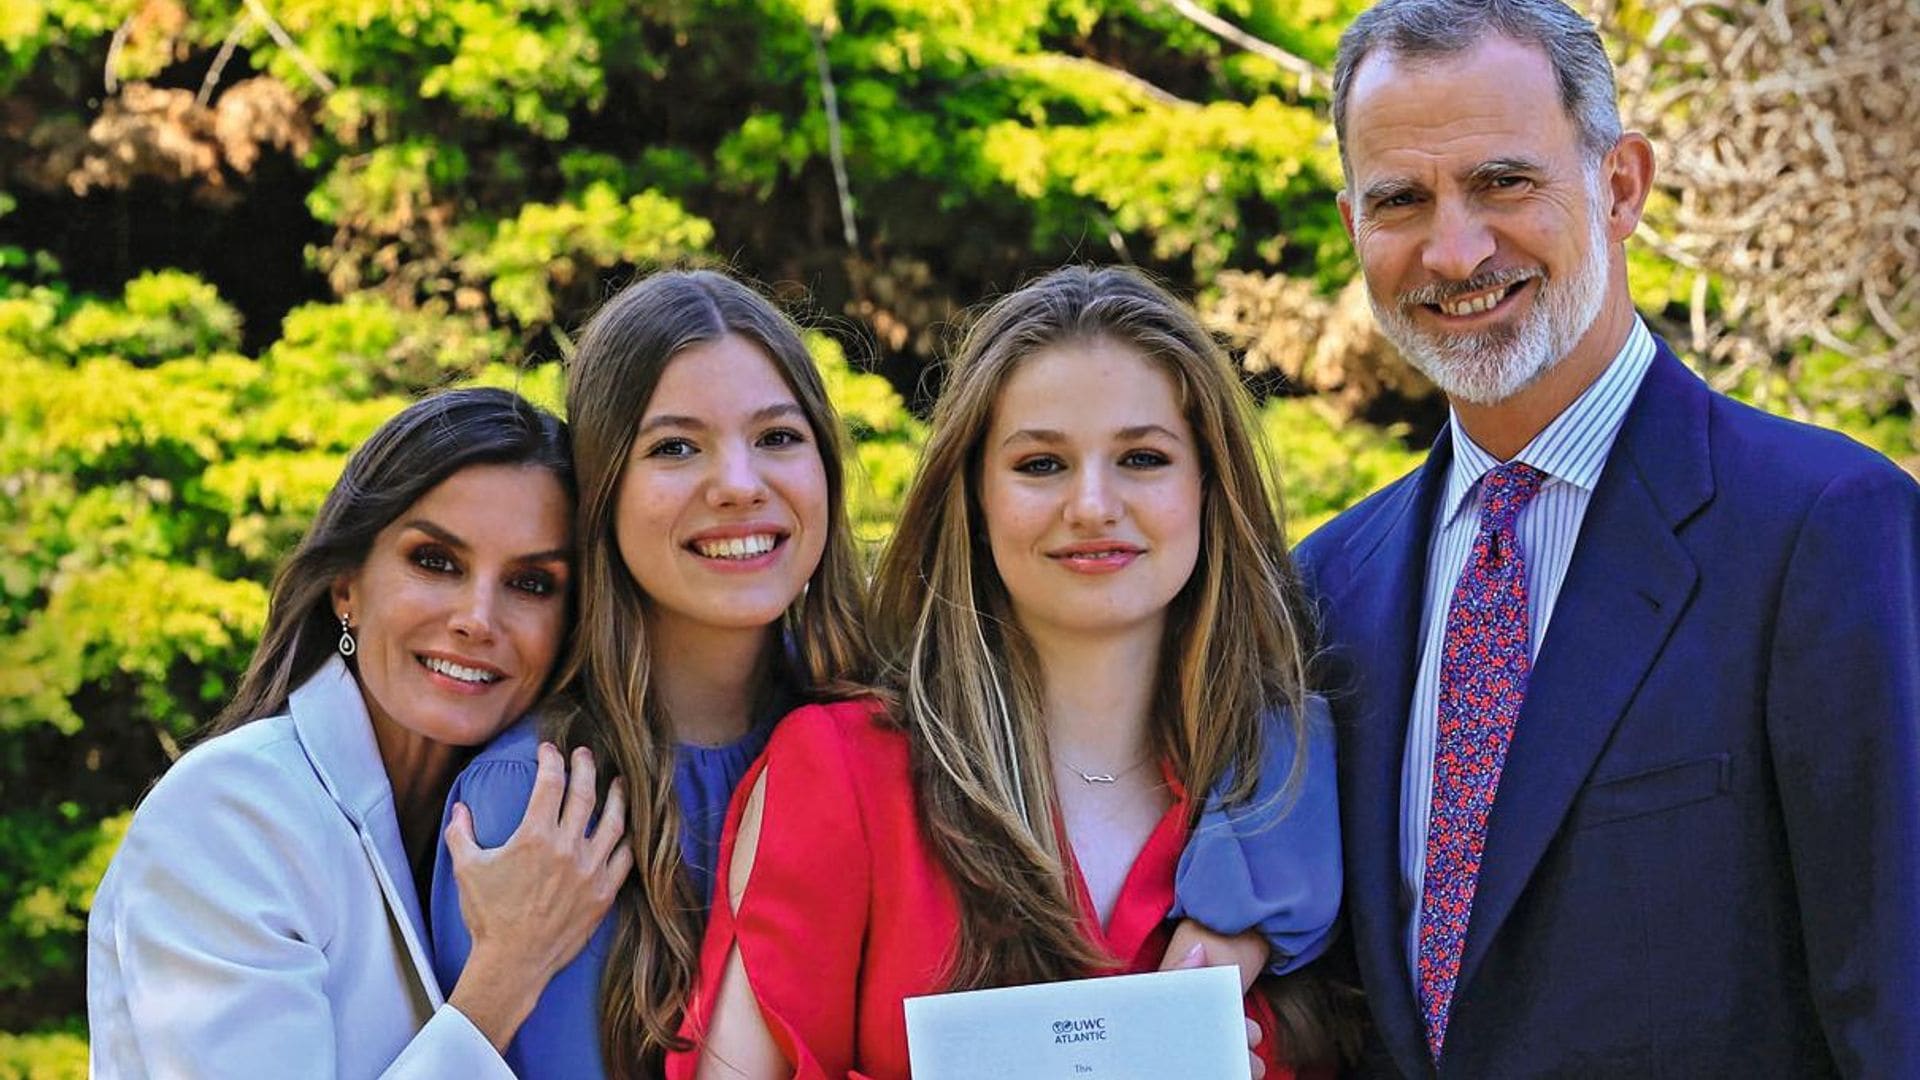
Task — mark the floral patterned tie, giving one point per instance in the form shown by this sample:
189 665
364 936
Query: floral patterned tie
1484 663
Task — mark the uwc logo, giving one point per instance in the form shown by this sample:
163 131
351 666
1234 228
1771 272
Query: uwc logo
1091 1029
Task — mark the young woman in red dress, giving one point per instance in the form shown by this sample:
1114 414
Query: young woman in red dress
1087 614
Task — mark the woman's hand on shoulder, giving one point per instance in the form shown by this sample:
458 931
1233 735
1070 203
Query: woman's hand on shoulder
532 903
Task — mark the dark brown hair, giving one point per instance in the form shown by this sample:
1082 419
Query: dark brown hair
407 457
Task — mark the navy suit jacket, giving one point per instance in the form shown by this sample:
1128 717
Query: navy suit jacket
1704 856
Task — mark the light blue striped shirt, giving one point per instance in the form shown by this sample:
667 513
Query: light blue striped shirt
1571 450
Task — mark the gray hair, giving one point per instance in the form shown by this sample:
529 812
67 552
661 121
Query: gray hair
1432 29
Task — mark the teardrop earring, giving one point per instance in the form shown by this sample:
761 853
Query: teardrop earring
347 645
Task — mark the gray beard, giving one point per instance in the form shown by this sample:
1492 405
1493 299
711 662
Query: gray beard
1490 366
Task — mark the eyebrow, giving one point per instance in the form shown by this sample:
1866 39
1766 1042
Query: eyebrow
564 555
1488 170
1125 434
1380 190
693 423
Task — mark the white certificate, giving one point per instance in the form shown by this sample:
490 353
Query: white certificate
1187 1023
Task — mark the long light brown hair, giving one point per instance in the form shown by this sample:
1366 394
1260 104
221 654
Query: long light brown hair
967 678
607 699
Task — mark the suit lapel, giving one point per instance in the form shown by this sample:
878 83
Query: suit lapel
1628 582
1378 606
330 718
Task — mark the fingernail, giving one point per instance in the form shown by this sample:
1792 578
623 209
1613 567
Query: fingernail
1195 954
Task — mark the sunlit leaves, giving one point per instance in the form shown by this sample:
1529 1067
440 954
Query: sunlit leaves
1182 176
886 440
1327 465
129 625
548 244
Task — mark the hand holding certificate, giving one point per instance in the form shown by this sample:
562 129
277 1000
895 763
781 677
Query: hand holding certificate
1185 1023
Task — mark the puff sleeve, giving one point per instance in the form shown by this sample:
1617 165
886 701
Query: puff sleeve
561 1036
1271 863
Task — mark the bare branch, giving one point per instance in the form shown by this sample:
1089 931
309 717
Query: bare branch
1126 78
168 745
1226 31
258 9
240 25
830 102
111 76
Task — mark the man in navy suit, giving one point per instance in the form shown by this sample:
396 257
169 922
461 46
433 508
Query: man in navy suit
1627 675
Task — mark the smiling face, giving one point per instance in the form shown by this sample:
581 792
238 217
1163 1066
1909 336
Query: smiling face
1090 489
1483 232
460 606
721 515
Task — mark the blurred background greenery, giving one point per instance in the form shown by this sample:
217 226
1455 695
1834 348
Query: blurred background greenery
236 235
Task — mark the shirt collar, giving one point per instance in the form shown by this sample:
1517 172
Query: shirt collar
1573 447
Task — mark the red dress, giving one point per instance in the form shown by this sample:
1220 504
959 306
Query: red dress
848 912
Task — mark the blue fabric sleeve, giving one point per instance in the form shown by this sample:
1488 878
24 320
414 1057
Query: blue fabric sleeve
1271 863
561 1037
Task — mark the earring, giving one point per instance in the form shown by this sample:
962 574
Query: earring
347 646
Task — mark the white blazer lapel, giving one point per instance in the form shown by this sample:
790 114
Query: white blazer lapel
330 718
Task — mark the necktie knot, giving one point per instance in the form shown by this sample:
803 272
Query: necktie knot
1505 491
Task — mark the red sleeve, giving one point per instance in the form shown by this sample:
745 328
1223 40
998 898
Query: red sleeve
802 921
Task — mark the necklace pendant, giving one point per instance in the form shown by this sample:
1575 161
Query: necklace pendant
1097 778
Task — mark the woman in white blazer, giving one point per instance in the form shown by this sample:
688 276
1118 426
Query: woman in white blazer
262 916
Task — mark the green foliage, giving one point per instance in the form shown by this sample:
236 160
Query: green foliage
50 863
1181 176
388 186
527 63
364 344
164 314
886 440
545 385
518 62
1819 385
130 627
1657 282
1326 465
1828 388
547 243
51 859
29 28
48 1055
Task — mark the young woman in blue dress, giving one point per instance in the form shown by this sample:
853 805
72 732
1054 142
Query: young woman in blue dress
719 588
262 916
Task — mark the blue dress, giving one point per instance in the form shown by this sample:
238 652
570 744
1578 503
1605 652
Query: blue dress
561 1037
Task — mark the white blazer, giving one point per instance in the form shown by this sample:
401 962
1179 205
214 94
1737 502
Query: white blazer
260 918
